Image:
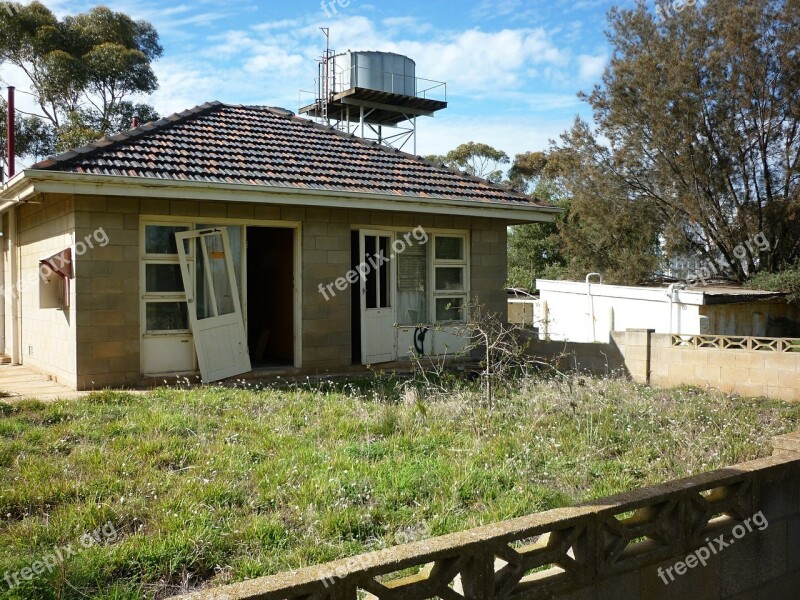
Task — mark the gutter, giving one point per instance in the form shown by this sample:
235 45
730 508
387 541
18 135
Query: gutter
41 181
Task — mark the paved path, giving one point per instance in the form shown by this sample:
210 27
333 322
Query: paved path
20 382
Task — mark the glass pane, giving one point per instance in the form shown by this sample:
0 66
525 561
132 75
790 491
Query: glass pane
235 241
449 309
449 279
449 248
160 239
383 272
167 316
371 280
412 280
215 288
163 278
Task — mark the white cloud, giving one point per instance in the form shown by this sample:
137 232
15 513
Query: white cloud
513 135
590 67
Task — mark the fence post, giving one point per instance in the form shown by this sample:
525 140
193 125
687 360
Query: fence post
478 577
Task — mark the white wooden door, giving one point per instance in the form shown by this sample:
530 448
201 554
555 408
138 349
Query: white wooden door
377 297
215 313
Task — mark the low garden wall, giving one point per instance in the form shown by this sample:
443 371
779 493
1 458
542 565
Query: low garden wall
749 366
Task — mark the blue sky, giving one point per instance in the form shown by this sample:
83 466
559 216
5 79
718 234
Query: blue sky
512 67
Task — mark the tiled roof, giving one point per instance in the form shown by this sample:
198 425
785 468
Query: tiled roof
260 146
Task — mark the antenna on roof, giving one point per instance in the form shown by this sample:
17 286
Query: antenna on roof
375 95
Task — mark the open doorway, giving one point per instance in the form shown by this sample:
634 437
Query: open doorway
270 296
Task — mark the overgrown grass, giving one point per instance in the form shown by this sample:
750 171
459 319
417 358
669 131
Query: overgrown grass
214 485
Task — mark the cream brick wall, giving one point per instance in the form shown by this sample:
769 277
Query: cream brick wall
48 335
107 288
748 373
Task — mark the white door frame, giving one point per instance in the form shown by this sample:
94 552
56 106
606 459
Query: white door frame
379 316
230 326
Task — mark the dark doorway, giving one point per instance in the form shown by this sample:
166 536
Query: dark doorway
270 296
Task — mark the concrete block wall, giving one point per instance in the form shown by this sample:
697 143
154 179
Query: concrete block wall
745 372
48 335
651 358
107 286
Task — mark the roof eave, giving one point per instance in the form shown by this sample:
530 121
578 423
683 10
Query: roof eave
43 181
16 190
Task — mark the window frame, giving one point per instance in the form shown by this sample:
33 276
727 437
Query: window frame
462 263
431 263
146 259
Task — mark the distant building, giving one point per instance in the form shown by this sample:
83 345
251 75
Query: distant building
588 312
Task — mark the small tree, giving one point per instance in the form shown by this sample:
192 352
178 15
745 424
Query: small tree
502 351
480 160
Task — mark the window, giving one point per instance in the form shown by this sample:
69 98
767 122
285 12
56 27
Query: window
412 285
167 316
163 278
165 307
432 280
160 239
449 277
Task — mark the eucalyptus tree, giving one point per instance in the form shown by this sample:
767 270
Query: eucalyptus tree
83 70
696 138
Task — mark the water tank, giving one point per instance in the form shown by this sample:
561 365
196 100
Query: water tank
382 71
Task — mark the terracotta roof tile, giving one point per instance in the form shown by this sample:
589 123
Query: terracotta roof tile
219 143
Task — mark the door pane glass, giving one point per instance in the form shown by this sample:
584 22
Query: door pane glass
449 248
163 278
371 280
166 316
213 283
450 279
384 272
160 239
235 241
449 309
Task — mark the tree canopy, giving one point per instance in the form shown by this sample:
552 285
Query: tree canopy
480 160
699 117
694 151
83 70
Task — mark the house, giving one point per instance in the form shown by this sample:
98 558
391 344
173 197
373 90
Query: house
587 311
230 238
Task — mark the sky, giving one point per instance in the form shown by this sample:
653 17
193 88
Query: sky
513 68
